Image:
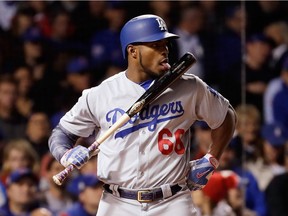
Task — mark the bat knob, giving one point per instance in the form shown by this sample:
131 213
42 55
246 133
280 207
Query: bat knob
60 177
56 180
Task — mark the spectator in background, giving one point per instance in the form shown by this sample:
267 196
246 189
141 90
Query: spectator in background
247 139
189 28
272 106
21 188
33 52
164 9
237 201
272 162
10 39
40 15
280 101
61 43
213 11
61 29
34 58
228 47
261 13
212 199
78 78
7 11
45 81
18 154
88 190
24 79
12 123
93 15
38 131
278 31
277 191
21 21
53 197
106 54
246 147
254 198
257 73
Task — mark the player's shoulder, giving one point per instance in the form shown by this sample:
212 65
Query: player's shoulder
190 78
114 78
107 83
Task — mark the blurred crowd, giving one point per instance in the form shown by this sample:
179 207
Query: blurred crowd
50 51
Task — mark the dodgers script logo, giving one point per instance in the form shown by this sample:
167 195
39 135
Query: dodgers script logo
150 117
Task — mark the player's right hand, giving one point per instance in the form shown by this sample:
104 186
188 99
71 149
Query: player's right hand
201 171
77 156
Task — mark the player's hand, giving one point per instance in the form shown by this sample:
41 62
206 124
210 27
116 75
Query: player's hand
201 170
77 156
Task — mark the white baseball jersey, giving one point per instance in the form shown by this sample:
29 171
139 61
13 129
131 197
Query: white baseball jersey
152 149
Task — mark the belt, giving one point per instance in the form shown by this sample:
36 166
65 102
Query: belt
144 196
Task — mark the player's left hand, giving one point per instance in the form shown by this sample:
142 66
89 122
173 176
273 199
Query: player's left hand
77 156
201 170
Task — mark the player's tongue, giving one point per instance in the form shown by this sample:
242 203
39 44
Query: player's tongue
166 65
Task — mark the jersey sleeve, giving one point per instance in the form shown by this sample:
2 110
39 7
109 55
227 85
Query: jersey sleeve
211 106
79 120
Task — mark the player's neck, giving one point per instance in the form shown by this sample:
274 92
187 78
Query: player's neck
136 76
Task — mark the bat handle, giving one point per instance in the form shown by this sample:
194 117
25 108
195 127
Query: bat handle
61 176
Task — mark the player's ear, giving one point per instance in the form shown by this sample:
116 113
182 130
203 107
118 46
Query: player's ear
131 50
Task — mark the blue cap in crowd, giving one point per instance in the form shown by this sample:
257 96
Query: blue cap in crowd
77 65
276 134
116 4
19 174
32 34
231 10
79 183
260 37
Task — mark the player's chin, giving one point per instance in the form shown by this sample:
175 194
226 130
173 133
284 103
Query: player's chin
160 73
162 70
157 72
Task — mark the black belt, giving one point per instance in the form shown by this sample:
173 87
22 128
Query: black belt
143 195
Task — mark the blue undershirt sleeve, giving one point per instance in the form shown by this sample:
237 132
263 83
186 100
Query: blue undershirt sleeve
60 141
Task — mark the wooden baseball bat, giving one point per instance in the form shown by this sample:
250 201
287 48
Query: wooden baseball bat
160 85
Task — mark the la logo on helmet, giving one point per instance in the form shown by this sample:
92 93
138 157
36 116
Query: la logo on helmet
162 24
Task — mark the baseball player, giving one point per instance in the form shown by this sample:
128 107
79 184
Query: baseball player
145 164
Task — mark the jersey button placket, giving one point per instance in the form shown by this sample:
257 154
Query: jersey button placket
142 155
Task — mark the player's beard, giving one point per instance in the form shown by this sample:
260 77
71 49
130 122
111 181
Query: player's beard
152 74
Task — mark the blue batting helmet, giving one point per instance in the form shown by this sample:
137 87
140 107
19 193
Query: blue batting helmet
144 28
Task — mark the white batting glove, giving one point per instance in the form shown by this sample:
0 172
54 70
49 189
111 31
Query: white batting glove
77 156
201 170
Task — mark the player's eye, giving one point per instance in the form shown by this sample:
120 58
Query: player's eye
159 44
